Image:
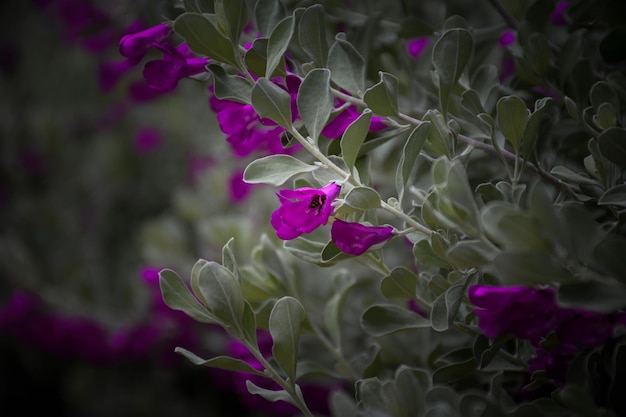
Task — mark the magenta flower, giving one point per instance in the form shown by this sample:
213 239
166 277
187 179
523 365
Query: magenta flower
110 72
417 46
303 210
507 38
136 45
356 238
557 17
147 140
243 128
531 313
164 74
239 190
335 128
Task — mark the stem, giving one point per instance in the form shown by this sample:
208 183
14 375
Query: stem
472 142
508 18
314 150
410 221
287 386
336 352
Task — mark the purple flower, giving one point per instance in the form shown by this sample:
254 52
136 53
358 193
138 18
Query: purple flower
530 313
303 210
557 17
163 74
416 46
335 128
109 73
136 45
356 238
196 166
526 312
147 140
243 128
507 38
239 189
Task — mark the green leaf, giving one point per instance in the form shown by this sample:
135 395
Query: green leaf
362 198
615 196
609 256
400 283
230 87
268 13
565 173
315 101
285 322
425 255
195 278
411 150
333 311
512 119
200 6
313 38
177 297
513 228
613 145
594 296
223 295
342 404
382 97
445 307
275 169
353 138
204 38
453 372
269 395
228 257
451 54
233 16
272 102
529 268
249 324
602 92
468 254
221 362
347 67
383 319
278 43
532 127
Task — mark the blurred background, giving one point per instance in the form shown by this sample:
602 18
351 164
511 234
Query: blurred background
103 182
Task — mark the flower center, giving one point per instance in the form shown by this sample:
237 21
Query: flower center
317 202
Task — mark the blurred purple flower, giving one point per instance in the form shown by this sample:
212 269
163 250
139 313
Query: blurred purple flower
530 313
197 165
238 188
140 91
526 312
356 238
417 46
147 140
136 45
555 362
507 38
110 72
335 128
164 74
303 210
557 17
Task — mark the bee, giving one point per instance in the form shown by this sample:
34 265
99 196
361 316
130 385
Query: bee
317 202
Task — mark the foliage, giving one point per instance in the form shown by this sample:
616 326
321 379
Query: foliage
485 141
